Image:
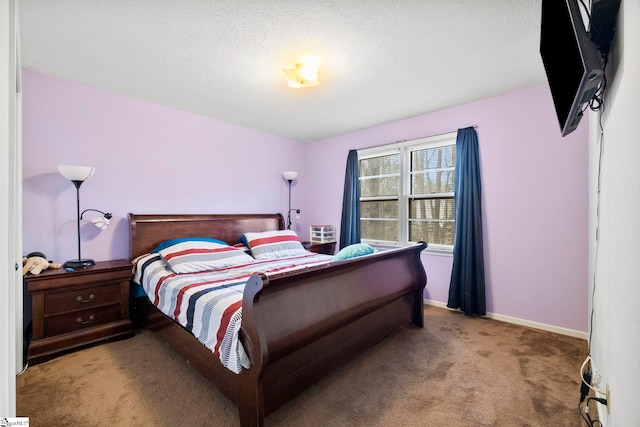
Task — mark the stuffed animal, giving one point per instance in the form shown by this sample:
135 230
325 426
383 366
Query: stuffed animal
36 262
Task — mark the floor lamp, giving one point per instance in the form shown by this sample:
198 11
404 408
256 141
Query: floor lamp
290 176
77 175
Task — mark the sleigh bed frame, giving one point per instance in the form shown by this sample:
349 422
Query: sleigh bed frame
296 327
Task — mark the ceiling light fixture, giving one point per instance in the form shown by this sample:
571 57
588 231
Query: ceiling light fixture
303 74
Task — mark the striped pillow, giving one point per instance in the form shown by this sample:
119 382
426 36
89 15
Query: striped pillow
274 244
194 256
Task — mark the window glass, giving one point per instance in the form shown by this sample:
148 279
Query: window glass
380 176
407 192
432 170
432 220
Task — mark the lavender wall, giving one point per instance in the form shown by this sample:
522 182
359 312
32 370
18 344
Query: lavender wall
535 201
148 159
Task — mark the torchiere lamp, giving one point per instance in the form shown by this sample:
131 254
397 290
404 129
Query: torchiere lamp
290 176
77 175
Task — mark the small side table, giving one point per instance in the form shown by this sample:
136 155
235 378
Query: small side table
328 248
72 309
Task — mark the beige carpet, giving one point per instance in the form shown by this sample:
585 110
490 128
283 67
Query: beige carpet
457 371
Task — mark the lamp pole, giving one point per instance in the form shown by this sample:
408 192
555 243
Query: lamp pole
290 176
78 184
289 211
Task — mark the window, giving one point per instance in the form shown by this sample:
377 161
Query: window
406 192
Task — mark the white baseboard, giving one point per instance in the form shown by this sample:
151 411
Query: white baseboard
522 322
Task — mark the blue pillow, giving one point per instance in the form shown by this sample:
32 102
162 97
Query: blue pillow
172 242
352 251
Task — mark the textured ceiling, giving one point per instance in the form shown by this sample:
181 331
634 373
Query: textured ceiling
381 60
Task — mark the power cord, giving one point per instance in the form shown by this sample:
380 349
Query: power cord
585 387
585 411
601 400
586 383
596 104
586 375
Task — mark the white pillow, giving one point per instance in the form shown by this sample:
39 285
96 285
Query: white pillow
194 256
274 244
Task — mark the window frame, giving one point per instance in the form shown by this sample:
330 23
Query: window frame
405 149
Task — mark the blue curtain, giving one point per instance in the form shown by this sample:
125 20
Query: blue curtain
350 223
466 290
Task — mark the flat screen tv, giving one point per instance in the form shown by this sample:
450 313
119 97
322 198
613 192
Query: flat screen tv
571 61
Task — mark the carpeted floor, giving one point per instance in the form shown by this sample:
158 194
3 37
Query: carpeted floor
457 371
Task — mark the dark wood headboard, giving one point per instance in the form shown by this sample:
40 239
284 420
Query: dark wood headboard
148 230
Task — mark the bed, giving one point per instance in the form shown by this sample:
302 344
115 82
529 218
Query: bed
296 326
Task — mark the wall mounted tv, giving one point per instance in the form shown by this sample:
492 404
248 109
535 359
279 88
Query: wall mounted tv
573 65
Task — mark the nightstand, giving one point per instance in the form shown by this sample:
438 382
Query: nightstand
328 248
72 309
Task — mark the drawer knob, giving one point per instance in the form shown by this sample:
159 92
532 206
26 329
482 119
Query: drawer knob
84 301
84 322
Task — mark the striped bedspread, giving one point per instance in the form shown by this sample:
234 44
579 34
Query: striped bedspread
209 303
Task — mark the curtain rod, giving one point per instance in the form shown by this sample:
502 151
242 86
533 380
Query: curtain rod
400 141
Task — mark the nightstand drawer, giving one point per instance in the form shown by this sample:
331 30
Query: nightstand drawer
71 322
81 299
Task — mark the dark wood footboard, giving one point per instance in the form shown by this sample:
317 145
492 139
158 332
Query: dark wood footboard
300 326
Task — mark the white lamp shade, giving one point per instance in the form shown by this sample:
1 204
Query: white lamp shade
101 222
76 173
289 175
